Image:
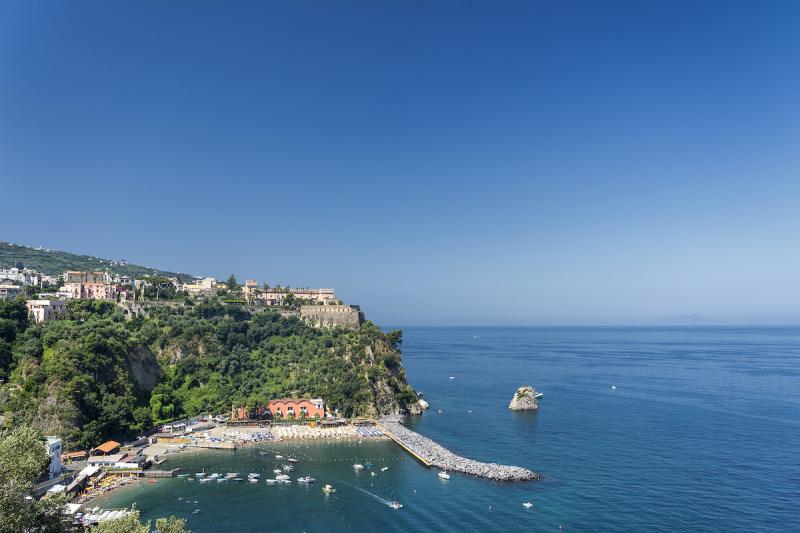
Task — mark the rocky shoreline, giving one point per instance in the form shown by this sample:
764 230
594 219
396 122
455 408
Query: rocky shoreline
440 457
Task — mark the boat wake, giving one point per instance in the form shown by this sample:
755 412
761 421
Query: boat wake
384 501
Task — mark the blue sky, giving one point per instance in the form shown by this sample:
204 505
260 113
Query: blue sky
439 162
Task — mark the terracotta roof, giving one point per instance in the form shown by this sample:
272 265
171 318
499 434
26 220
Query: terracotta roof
108 447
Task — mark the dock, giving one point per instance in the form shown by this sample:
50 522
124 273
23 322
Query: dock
432 454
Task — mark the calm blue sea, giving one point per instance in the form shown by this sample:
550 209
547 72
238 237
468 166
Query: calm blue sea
701 434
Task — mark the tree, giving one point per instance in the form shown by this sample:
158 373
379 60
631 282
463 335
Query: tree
22 462
172 524
232 283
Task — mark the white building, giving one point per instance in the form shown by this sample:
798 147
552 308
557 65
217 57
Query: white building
53 448
44 310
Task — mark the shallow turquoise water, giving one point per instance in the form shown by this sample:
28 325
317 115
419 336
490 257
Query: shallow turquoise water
700 434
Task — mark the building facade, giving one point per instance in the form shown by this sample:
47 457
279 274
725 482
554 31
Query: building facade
44 310
297 408
52 446
89 285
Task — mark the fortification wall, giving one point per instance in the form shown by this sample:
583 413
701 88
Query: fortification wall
329 316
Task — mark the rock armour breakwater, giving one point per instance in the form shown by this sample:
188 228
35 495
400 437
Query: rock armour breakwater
440 457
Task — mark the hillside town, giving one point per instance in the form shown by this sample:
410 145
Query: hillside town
47 295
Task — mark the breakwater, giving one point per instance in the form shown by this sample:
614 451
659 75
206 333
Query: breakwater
433 454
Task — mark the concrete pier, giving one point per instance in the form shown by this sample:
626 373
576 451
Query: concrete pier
432 454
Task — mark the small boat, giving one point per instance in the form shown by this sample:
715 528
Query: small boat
452 377
384 469
358 466
238 479
271 481
231 475
200 474
196 511
613 387
328 489
282 477
288 468
213 476
306 479
396 505
292 460
444 475
278 457
253 480
538 395
373 474
276 471
222 480
527 505
189 479
253 474
183 475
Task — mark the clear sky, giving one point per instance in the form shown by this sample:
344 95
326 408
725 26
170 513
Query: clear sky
473 162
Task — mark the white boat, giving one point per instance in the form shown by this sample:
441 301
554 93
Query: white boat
278 457
373 474
444 475
538 395
252 475
253 480
276 471
288 468
306 479
358 466
271 481
328 489
384 469
292 460
200 474
213 476
527 505
282 477
396 505
231 475
452 377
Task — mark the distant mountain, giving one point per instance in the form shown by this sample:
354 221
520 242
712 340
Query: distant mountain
53 262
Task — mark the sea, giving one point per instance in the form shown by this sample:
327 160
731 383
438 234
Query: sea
640 429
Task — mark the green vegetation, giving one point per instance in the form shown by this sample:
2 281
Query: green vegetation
22 462
97 375
53 263
131 523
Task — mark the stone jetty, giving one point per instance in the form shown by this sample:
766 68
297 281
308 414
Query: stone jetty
433 454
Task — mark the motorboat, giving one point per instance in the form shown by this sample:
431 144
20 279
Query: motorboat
373 474
306 479
231 475
252 475
538 395
253 480
328 489
277 471
288 468
200 474
278 457
396 505
384 469
213 476
444 475
282 477
292 460
527 505
271 481
358 466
